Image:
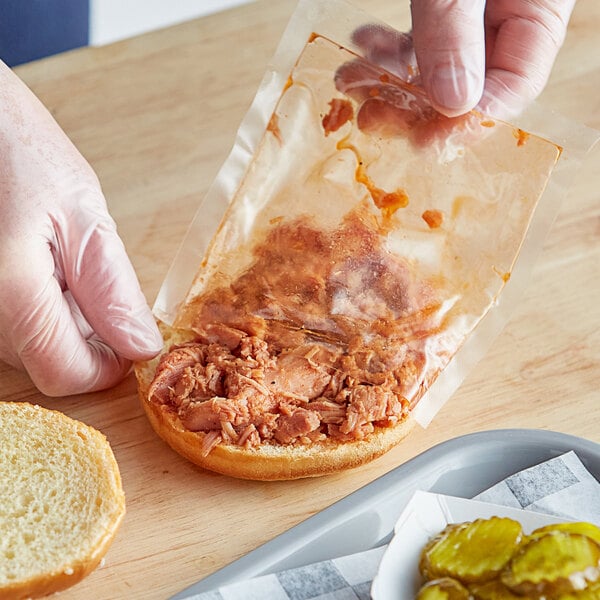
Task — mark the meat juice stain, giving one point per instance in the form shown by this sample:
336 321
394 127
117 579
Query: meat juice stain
434 218
505 276
273 127
459 203
340 112
288 84
522 136
387 202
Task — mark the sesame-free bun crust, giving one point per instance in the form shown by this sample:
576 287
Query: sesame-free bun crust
61 500
268 462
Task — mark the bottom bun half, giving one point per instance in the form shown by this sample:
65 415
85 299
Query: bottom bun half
269 461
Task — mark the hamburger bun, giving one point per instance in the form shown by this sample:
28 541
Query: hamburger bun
268 461
61 500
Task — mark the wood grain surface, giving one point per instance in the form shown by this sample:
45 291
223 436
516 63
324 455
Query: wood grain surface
156 115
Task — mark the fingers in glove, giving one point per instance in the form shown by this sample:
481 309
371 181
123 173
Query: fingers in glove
44 338
524 38
388 48
449 41
99 275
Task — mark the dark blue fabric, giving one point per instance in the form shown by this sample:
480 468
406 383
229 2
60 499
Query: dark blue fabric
32 29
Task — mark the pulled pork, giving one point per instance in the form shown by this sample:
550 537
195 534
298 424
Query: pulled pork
250 396
322 337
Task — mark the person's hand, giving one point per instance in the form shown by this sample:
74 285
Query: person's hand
495 55
71 309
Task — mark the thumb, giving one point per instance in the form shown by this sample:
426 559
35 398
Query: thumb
449 45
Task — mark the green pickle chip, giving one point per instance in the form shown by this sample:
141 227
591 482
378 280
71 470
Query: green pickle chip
493 590
592 592
444 588
472 552
592 531
557 563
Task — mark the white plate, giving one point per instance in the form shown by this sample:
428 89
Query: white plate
424 516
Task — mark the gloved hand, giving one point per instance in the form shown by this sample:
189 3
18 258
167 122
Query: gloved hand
495 55
71 309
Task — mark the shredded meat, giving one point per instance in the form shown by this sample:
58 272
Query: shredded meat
298 377
322 337
297 424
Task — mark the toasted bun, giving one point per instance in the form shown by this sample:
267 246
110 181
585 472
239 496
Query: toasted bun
61 500
268 462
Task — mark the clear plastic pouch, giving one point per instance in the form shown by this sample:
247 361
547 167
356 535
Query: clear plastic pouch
351 217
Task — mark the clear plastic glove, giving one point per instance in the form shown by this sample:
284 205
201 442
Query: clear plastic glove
71 309
495 55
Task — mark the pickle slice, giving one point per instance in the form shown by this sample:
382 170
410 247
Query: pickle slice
592 531
472 552
590 593
493 590
556 563
444 588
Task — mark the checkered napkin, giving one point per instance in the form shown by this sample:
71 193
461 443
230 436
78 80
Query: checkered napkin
561 486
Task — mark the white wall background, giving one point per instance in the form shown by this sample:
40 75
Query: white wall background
112 20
